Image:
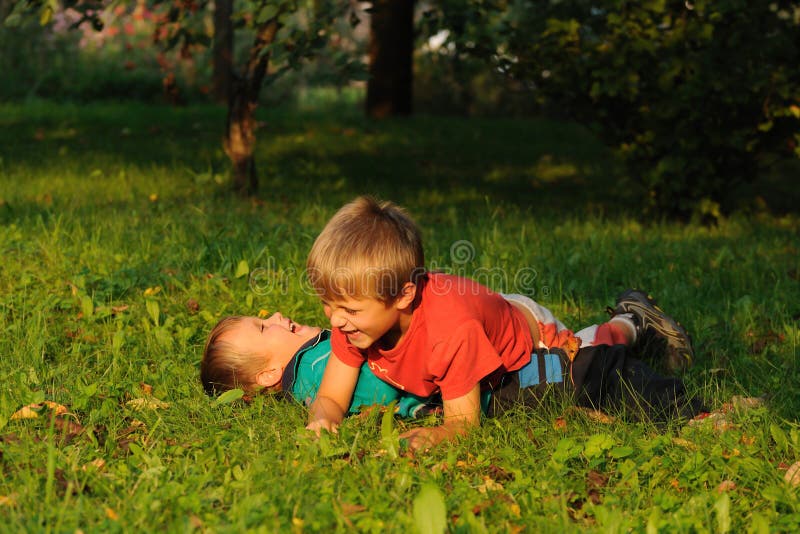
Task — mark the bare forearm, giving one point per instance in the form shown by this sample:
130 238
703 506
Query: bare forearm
324 413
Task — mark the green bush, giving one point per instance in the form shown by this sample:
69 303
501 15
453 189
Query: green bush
697 97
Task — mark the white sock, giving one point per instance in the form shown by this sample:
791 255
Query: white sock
625 320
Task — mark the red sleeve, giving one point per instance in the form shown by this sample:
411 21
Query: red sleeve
463 360
347 353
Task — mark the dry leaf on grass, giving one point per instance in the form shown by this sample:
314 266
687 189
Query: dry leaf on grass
792 476
31 411
148 403
726 485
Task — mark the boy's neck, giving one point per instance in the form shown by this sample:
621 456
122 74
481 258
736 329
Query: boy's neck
393 337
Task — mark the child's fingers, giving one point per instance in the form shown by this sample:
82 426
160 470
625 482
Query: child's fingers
319 425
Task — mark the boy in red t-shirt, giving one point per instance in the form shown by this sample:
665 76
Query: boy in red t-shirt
428 333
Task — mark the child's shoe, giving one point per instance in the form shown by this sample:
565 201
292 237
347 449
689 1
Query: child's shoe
657 334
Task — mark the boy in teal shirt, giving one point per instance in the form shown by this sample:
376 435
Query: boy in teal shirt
278 355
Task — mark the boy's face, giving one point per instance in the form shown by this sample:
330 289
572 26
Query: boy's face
366 321
276 339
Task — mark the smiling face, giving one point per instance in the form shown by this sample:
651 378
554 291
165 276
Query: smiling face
368 321
270 342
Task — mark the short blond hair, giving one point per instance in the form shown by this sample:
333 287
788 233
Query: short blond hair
223 366
367 249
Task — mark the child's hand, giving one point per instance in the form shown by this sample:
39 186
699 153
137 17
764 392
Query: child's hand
318 425
423 438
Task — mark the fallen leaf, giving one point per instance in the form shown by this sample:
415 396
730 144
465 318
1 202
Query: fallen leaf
746 403
111 514
596 415
150 291
792 476
726 485
97 463
489 485
596 479
149 403
147 389
119 309
350 508
68 427
560 424
26 412
8 500
498 473
681 442
192 306
31 411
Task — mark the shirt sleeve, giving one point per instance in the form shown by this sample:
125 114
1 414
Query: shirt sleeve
347 353
465 358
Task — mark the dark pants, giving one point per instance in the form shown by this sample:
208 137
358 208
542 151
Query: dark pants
607 378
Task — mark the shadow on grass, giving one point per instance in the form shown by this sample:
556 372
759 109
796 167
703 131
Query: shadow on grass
329 157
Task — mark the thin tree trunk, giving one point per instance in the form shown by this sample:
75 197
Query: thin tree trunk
240 132
222 53
391 48
240 138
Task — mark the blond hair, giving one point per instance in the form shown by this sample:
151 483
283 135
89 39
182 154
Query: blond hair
223 366
367 249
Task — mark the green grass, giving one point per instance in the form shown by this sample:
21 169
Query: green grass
120 249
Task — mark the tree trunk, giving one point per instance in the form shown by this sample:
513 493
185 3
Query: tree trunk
240 131
391 48
222 54
240 138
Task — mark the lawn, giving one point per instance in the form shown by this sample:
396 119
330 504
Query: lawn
121 248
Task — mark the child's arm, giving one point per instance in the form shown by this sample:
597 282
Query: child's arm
460 414
334 396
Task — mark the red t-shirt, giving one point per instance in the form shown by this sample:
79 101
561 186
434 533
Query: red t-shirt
461 334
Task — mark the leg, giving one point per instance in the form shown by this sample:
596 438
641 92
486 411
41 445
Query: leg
607 377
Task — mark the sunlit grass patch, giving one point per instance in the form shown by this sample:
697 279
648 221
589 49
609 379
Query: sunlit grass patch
120 251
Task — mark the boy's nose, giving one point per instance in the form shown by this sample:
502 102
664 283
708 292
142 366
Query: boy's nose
337 320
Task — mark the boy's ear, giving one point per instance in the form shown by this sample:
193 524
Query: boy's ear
407 295
269 377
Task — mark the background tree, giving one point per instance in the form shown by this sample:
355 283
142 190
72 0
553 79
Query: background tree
696 97
282 33
222 56
391 51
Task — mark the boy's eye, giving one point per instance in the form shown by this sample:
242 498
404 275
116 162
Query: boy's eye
350 312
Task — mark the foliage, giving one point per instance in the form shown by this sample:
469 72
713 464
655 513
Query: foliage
117 261
696 97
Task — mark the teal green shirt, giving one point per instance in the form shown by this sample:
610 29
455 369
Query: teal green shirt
303 375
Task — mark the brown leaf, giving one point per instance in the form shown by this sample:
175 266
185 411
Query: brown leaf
147 389
498 473
349 509
68 427
595 415
726 485
596 479
31 411
119 309
193 306
792 476
560 424
148 403
97 464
